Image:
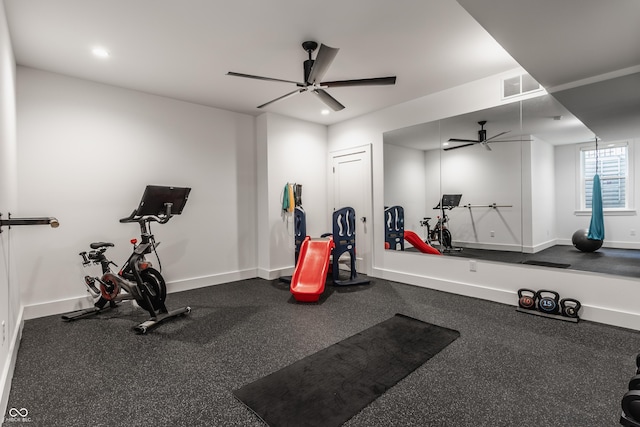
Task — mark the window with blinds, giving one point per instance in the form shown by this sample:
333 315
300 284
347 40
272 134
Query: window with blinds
613 168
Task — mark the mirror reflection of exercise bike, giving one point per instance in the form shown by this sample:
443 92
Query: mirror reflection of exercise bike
440 233
137 279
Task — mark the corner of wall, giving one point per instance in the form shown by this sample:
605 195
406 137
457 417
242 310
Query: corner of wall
10 363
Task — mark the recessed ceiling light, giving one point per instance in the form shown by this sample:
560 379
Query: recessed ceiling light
324 112
100 52
444 144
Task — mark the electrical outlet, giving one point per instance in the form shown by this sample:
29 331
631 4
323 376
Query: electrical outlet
632 232
473 265
4 331
492 233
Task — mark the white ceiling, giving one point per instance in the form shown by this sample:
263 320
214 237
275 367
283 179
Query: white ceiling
543 118
585 52
183 50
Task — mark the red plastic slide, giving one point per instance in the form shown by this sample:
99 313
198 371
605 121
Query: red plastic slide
307 283
417 243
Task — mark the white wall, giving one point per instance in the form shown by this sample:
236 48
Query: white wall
614 304
86 152
291 151
618 227
405 184
10 309
485 177
543 196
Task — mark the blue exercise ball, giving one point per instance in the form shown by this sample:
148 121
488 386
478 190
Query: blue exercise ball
583 243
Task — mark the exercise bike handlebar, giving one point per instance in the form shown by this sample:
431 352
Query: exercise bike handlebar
160 218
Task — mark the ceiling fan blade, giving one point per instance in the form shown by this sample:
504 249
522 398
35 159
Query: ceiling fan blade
295 92
459 146
474 141
486 145
376 81
249 76
512 140
329 100
322 62
495 136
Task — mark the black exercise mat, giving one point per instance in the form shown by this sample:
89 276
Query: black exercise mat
546 263
329 387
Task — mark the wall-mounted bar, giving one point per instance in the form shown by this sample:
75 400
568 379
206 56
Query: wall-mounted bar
492 205
53 222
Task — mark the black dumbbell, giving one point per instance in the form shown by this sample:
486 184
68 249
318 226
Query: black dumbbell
546 304
527 301
631 405
570 307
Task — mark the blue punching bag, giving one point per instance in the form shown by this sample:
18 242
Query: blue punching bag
596 228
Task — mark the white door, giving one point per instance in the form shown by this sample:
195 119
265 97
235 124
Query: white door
352 187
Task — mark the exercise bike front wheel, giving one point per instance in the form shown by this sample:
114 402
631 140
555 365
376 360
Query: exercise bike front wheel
446 239
155 287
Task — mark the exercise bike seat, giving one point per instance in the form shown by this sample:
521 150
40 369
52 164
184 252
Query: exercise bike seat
98 245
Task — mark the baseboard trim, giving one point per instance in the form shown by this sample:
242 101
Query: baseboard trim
507 247
51 308
274 274
215 279
10 363
539 247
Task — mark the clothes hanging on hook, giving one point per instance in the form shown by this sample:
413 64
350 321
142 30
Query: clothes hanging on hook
285 198
297 190
289 197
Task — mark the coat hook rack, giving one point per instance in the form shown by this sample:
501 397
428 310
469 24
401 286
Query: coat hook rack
53 222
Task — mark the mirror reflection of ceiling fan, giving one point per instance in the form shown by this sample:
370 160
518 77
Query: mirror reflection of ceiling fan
482 139
314 71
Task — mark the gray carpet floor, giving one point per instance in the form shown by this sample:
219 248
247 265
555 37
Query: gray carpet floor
506 369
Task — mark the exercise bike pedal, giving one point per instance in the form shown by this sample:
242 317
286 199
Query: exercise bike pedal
91 283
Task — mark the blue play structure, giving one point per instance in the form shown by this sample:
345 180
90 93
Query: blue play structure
299 229
344 237
394 228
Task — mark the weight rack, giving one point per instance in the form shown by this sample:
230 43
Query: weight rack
550 316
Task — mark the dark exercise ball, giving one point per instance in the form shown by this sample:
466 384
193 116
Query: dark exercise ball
583 243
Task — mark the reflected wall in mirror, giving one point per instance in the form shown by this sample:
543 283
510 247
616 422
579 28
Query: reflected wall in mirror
529 167
488 174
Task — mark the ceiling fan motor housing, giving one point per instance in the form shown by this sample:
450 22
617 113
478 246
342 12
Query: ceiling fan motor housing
308 64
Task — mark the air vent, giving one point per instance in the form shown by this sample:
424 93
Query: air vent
519 85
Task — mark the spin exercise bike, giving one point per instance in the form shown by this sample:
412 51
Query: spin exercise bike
137 279
440 232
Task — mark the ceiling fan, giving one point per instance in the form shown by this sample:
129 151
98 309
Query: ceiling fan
482 139
314 71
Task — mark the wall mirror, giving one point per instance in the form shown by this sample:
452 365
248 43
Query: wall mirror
495 165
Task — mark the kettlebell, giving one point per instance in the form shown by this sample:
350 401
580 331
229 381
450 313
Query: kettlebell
527 301
548 304
634 383
570 307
